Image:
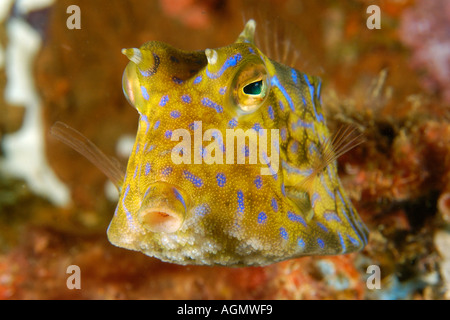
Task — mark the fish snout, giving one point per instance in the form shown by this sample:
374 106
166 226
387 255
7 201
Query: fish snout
163 208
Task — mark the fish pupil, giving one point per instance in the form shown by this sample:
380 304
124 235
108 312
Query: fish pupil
254 88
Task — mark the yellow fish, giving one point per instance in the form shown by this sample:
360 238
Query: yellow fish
233 163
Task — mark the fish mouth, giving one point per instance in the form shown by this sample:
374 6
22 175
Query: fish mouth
163 208
161 220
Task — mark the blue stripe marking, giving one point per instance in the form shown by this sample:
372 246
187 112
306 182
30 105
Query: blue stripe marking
302 124
276 82
193 178
179 197
342 242
156 126
321 243
136 171
145 93
294 76
346 216
321 226
240 201
353 241
272 170
296 218
148 167
311 91
294 147
127 212
314 199
230 62
331 216
258 182
283 191
274 204
331 194
283 134
270 112
211 104
292 169
319 92
145 119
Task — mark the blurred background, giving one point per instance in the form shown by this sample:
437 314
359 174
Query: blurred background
392 83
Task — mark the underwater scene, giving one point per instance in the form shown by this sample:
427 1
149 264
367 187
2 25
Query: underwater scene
225 149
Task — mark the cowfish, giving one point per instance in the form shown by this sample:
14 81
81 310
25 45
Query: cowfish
232 164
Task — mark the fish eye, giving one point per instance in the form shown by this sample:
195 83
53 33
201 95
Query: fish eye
250 87
254 88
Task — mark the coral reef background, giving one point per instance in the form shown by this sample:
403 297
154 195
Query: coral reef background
391 83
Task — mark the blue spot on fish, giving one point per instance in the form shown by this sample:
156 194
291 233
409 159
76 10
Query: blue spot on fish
258 182
232 123
166 171
221 179
175 114
262 217
283 233
301 242
144 93
196 181
198 80
164 100
186 98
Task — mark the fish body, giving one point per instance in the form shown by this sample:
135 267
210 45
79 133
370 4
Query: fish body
187 198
